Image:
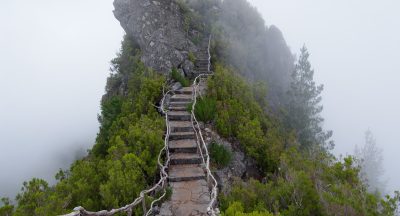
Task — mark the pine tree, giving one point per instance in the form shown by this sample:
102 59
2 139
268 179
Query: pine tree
304 108
370 160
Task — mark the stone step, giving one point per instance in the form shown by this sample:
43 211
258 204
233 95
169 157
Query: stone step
178 173
185 158
183 146
202 59
179 104
181 98
202 65
182 135
177 108
179 116
202 69
202 72
205 61
184 90
181 126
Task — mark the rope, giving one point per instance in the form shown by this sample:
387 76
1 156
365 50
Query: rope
80 211
202 145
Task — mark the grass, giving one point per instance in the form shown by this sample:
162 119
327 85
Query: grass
206 109
179 78
219 154
192 57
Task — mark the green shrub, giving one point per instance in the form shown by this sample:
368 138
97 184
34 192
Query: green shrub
179 78
192 57
236 209
220 155
205 109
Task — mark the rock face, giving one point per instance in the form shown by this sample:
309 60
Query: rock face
240 166
158 28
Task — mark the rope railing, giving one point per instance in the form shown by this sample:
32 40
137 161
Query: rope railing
202 146
80 211
204 150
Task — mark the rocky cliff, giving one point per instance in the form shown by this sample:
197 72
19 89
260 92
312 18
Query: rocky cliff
158 28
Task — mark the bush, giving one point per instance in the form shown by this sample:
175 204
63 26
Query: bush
236 209
179 78
220 154
192 57
205 109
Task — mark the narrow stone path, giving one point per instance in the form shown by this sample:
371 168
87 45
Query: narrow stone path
187 176
190 192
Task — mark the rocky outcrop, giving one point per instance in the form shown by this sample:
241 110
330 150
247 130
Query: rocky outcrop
240 166
158 28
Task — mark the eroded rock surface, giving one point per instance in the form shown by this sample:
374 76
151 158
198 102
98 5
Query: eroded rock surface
157 26
239 167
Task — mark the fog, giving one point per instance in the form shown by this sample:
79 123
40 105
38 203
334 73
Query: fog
354 48
54 58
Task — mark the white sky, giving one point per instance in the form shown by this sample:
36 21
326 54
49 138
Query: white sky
54 58
354 46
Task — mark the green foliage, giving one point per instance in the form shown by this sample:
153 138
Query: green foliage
33 197
6 209
313 185
220 154
236 209
239 115
298 182
192 57
179 78
124 159
304 106
205 109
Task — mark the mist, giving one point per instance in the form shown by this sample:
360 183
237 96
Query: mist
54 62
354 48
55 59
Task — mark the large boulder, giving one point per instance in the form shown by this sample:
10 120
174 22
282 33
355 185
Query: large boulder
158 28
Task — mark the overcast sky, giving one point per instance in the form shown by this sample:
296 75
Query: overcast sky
54 58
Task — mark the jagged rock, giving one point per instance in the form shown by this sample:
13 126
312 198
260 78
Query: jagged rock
157 27
188 68
176 86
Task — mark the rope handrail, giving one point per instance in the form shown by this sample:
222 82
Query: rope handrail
202 145
80 211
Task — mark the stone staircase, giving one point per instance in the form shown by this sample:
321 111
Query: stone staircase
190 191
202 61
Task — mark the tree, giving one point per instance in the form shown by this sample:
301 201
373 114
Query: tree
304 108
33 197
7 208
370 160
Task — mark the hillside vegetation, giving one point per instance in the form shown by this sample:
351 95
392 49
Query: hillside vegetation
299 178
258 97
124 159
